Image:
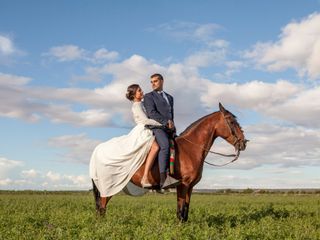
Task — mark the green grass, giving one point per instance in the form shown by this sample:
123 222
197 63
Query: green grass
153 216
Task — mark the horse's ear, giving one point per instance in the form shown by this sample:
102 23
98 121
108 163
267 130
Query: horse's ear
222 109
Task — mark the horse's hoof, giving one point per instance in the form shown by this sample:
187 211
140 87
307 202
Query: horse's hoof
183 220
102 212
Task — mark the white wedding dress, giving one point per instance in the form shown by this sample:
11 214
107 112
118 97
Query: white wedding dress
113 163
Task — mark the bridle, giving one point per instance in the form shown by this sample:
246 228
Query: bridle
233 132
236 141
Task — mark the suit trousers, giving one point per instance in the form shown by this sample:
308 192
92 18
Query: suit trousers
164 152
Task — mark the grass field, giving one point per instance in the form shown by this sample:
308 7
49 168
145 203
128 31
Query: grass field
212 216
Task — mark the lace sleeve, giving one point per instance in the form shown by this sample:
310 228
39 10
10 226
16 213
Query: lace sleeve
140 116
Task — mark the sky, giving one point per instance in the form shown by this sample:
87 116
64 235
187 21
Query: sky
65 67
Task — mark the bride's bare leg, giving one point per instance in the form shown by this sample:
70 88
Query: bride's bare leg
149 161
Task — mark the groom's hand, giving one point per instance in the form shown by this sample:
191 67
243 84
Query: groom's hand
170 124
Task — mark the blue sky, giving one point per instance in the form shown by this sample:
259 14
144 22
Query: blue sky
64 68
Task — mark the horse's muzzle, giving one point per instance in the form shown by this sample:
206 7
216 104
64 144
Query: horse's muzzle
241 146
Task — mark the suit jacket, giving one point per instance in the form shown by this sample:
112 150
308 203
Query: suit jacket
157 107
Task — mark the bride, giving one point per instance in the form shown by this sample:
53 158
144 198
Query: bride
113 163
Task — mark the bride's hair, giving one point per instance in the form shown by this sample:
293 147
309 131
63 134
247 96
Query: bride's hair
131 91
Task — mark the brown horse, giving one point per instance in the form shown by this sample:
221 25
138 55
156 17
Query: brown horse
192 147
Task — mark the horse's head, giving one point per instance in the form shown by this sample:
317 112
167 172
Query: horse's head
230 130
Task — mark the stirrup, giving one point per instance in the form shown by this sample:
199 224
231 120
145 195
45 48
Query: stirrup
170 182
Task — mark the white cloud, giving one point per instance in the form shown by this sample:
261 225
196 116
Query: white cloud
54 180
67 53
8 51
8 79
214 50
33 103
63 114
298 47
78 180
6 46
231 68
54 177
9 183
205 31
189 31
254 95
50 180
78 147
218 43
6 165
135 68
282 100
104 54
206 58
31 173
92 74
236 180
302 109
5 182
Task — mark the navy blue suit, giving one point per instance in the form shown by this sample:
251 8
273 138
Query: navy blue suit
158 109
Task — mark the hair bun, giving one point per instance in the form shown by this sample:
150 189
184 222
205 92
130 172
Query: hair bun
131 91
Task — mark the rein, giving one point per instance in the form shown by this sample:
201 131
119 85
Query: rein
236 156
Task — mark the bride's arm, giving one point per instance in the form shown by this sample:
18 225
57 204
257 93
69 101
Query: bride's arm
140 116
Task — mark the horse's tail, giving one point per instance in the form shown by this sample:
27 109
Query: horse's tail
96 195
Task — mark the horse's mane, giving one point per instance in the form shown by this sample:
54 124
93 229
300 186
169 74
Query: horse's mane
230 113
235 119
195 123
204 117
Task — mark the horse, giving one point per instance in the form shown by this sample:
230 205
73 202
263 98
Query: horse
191 149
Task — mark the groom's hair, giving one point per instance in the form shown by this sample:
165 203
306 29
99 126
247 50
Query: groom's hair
158 75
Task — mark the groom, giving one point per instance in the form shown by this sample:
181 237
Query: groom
159 106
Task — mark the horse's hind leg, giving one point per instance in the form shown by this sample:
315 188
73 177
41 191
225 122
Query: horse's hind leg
103 204
96 195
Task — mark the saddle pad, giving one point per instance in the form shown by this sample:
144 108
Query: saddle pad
172 156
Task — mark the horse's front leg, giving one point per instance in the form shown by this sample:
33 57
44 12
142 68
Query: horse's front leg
182 205
187 204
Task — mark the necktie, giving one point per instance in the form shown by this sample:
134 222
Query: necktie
165 97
